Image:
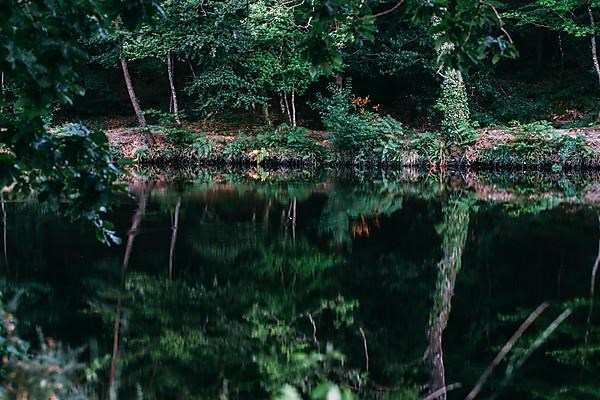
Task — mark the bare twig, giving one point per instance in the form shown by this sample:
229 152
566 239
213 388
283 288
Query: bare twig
505 350
304 26
538 342
366 348
314 326
510 370
500 22
389 10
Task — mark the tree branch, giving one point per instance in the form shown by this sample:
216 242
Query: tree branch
390 10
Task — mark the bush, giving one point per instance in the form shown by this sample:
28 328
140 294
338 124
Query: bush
354 130
238 149
179 135
293 142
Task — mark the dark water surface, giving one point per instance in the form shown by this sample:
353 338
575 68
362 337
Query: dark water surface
229 285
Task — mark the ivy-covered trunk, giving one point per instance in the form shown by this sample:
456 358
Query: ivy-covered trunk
454 104
453 101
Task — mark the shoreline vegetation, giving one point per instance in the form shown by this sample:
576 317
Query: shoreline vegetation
534 146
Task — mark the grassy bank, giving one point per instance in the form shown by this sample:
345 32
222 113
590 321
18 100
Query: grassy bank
532 146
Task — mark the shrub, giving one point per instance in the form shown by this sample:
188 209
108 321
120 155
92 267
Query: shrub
179 135
355 131
238 149
158 117
293 142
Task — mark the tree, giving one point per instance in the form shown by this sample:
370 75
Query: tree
38 59
275 40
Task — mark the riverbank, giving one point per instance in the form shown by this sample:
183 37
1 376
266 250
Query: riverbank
532 146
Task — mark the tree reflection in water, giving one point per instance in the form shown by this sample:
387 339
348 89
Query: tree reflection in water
222 296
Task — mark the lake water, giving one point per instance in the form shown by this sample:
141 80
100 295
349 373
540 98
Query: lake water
230 284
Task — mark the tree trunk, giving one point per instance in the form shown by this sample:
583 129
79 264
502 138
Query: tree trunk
562 57
174 237
281 103
287 106
593 44
2 100
134 101
339 80
148 137
172 85
293 107
192 70
266 114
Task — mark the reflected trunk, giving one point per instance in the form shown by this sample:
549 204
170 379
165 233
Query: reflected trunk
174 237
4 231
592 292
454 235
131 234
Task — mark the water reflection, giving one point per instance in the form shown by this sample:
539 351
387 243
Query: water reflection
453 230
396 285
